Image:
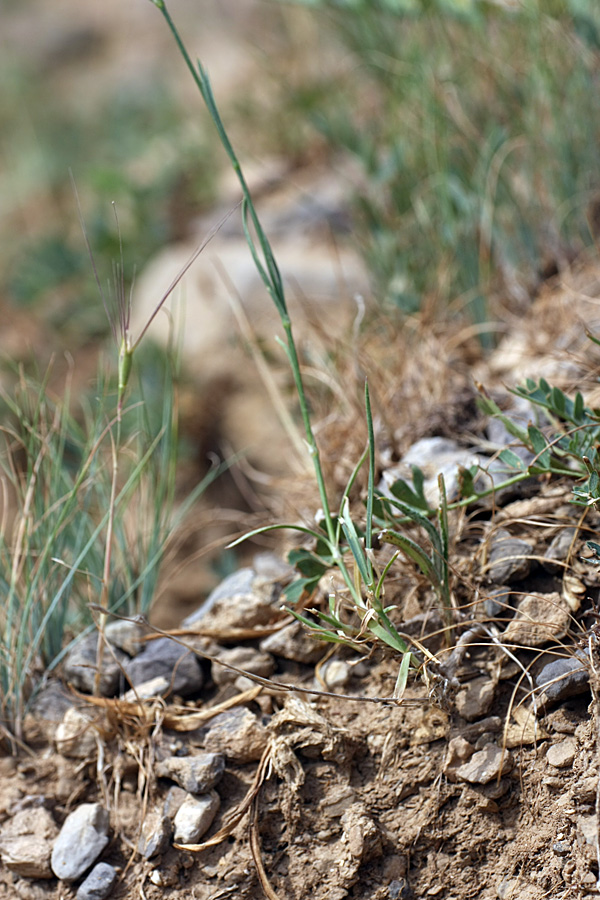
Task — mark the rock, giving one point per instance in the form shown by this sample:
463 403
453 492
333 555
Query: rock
338 798
79 666
293 642
156 687
336 673
587 835
26 843
485 765
173 800
458 752
361 833
563 753
170 660
491 724
244 599
562 848
156 834
523 728
558 550
52 702
194 817
127 636
195 774
475 698
496 603
237 733
98 884
76 735
434 456
82 839
509 559
563 678
539 618
246 658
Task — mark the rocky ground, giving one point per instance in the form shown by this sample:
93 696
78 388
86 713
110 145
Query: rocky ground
199 773
229 754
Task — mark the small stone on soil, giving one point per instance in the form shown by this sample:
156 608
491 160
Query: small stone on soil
563 678
485 765
194 817
558 550
171 660
539 618
82 839
79 666
246 658
475 698
98 884
26 843
563 753
237 733
75 736
293 642
195 774
156 834
509 558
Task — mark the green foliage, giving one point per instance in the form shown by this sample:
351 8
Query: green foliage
476 126
56 470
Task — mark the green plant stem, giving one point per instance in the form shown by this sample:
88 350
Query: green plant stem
267 268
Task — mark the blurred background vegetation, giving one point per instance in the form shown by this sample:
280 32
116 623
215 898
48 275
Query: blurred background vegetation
473 127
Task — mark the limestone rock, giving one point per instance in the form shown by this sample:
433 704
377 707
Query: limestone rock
195 774
26 843
76 736
194 817
563 753
79 666
509 558
82 839
246 658
539 618
485 765
237 733
169 659
293 642
98 884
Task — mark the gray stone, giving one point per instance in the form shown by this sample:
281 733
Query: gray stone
563 753
26 843
475 698
587 835
244 600
539 618
246 658
485 765
98 884
170 660
563 678
434 456
173 800
76 736
509 558
82 839
52 702
127 636
79 666
237 733
195 774
496 603
336 673
194 817
156 834
295 643
558 550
